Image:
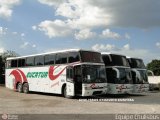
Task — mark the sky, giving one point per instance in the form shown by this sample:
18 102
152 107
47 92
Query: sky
127 27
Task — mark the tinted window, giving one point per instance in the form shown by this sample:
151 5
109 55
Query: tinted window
106 60
49 59
111 75
73 57
136 63
61 58
30 61
116 60
14 63
58 59
39 60
8 65
87 56
21 62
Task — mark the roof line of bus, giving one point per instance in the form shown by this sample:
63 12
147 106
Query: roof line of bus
108 53
128 57
54 52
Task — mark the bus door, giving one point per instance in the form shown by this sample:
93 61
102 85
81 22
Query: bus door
78 80
70 81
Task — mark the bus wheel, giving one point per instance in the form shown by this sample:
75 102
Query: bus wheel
25 88
19 87
65 93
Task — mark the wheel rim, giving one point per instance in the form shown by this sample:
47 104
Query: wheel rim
25 88
19 87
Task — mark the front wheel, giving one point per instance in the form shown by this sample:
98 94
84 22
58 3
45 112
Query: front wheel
26 88
65 93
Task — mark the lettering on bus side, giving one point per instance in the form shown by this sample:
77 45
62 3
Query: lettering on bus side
37 74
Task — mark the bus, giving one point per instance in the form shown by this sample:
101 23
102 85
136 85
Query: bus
118 72
72 72
139 75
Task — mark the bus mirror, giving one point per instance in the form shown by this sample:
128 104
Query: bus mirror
150 73
117 74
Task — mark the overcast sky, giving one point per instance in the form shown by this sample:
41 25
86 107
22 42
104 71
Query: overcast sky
129 27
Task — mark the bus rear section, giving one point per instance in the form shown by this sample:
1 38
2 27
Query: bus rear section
139 75
69 72
118 72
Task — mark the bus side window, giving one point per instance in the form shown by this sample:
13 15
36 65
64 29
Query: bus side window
73 57
106 60
61 58
14 63
8 65
64 58
49 59
39 60
58 58
30 61
21 62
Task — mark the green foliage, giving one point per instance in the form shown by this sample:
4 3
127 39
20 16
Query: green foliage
154 66
3 57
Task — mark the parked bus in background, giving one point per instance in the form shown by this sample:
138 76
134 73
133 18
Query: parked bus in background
118 73
69 72
154 81
139 75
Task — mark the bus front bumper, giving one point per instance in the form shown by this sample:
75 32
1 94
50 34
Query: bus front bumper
94 89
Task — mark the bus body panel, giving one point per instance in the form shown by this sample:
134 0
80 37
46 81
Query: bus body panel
94 89
38 79
119 88
140 88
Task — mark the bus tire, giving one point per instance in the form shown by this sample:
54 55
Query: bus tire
65 93
26 88
19 87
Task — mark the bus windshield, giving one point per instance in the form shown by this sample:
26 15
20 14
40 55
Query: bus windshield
88 56
119 60
115 60
143 77
93 74
123 78
136 63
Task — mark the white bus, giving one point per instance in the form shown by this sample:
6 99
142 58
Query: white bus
118 72
69 72
139 75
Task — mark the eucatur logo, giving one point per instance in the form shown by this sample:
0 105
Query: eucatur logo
21 77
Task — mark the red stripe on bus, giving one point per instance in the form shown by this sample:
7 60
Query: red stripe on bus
17 77
23 75
51 72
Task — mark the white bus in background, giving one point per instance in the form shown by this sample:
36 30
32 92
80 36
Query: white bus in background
118 72
154 81
69 72
139 75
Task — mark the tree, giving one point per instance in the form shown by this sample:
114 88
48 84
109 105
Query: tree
7 54
154 66
3 57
